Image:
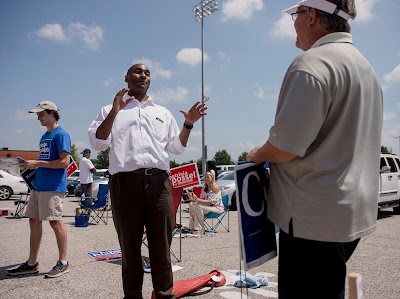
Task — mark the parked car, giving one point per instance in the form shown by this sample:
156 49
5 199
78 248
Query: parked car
95 187
227 185
71 185
222 168
101 173
389 182
10 185
73 177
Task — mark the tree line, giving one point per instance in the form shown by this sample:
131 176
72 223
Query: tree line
221 157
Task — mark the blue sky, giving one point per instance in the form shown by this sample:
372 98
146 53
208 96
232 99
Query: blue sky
76 53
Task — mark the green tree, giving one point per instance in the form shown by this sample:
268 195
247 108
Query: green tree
74 154
173 164
199 165
385 150
243 156
223 158
102 159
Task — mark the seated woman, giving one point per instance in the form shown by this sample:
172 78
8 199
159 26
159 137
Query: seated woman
209 201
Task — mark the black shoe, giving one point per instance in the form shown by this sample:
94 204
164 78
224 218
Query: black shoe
24 269
58 270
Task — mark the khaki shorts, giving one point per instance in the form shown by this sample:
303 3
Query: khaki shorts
45 205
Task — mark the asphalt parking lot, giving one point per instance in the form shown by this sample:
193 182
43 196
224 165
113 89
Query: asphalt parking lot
377 258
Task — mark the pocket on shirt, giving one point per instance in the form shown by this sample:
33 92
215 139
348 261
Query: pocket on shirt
160 127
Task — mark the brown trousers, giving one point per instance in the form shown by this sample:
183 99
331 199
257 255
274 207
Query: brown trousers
138 201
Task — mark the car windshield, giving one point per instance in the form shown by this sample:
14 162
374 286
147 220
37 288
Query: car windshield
227 176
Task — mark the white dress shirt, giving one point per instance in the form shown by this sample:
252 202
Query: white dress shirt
85 175
142 136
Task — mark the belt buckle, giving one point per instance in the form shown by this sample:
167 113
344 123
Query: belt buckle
147 171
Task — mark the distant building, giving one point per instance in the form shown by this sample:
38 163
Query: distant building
27 155
7 157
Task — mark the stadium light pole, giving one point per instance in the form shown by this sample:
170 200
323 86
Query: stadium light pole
202 10
397 137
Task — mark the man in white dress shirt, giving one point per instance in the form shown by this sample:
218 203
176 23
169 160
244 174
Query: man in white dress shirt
86 170
141 136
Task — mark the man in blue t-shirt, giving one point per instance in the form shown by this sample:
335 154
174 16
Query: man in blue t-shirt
46 199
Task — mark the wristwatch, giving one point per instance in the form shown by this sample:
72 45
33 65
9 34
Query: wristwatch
189 127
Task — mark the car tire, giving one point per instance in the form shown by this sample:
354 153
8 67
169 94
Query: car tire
396 210
233 206
5 192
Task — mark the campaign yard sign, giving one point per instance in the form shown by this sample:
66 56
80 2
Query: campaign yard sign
105 254
28 175
256 231
185 176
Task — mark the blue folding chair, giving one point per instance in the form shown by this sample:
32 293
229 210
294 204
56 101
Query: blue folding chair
218 217
99 207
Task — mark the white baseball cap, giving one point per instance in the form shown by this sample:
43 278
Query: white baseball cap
45 105
322 5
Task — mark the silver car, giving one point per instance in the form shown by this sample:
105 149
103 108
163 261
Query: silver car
227 185
95 187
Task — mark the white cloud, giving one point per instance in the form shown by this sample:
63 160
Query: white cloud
284 28
365 10
247 146
190 56
393 76
268 93
168 95
53 32
259 93
196 134
389 116
25 115
240 9
155 68
108 82
90 36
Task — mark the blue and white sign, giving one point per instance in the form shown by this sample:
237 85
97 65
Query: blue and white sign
105 254
256 231
28 175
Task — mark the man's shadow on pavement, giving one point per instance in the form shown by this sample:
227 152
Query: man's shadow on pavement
4 275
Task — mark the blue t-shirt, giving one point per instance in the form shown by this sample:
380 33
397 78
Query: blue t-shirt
51 145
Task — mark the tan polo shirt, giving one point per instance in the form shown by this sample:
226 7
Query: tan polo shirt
329 114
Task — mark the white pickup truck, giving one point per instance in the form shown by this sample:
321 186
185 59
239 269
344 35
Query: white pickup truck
389 182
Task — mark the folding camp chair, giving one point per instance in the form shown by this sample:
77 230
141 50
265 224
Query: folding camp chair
21 204
218 217
99 207
176 197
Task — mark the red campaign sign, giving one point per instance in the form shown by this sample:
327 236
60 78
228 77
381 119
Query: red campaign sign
185 176
71 167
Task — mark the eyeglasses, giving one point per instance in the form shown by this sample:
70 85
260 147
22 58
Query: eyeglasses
296 14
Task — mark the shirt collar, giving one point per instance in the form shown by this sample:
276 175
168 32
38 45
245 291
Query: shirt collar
336 37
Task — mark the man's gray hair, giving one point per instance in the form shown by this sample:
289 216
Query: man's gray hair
335 23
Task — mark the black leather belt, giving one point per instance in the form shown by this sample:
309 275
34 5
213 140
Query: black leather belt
147 171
